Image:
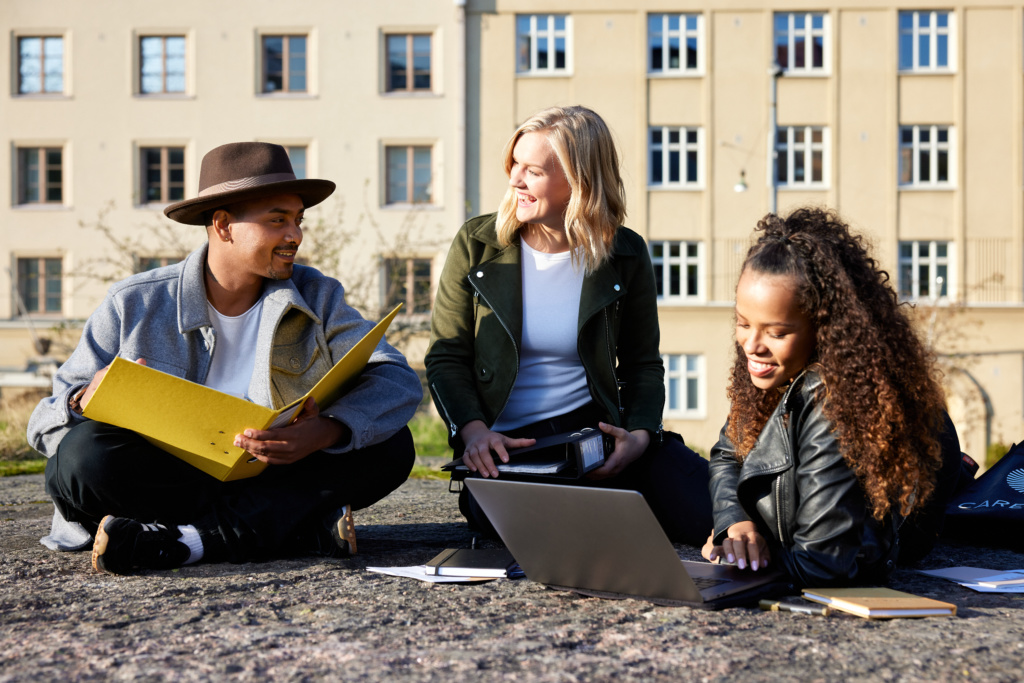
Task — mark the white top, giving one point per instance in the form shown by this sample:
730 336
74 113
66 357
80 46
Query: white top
234 350
551 379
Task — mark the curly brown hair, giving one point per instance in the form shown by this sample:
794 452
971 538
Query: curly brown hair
879 382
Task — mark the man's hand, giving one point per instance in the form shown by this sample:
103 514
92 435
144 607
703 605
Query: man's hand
742 545
480 441
308 433
628 447
96 379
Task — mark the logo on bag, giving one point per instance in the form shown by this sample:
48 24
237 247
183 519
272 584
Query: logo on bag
1015 480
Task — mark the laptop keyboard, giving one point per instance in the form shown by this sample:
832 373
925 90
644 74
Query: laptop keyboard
703 582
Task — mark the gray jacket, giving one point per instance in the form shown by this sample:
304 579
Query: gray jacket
305 327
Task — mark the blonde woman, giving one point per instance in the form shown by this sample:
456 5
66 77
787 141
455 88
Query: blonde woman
546 321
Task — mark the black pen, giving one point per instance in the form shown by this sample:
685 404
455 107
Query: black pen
780 606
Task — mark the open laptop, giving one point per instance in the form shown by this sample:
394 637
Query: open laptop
607 543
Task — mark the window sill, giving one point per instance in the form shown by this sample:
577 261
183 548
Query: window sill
676 188
678 301
413 94
807 73
926 72
164 96
670 75
42 96
286 96
927 188
563 73
42 207
817 187
156 206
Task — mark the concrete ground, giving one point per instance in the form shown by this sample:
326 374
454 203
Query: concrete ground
311 619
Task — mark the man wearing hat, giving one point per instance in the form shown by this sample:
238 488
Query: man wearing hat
240 316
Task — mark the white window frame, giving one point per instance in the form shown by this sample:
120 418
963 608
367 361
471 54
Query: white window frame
681 375
683 34
64 89
163 36
932 33
933 148
808 33
20 199
409 199
932 261
683 148
21 306
684 261
409 263
806 149
551 34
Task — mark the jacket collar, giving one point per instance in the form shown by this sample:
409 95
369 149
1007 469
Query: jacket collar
192 303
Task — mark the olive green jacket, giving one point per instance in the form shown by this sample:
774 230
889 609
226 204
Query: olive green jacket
477 330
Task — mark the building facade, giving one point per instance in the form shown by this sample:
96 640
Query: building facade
906 118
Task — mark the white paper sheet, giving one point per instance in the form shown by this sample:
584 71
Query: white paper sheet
419 572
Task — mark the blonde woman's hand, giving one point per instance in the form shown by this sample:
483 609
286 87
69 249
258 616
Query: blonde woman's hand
628 447
481 441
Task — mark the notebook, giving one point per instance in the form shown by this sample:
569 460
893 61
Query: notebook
607 543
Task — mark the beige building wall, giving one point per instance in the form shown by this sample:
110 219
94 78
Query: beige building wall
345 120
861 98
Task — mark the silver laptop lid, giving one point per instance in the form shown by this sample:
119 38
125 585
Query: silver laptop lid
580 537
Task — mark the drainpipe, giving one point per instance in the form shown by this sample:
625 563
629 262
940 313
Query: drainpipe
459 151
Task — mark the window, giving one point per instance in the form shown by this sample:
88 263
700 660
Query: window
801 40
163 174
40 65
39 285
161 64
297 155
801 156
926 41
409 174
284 63
684 385
40 175
408 67
926 156
408 282
677 269
144 263
543 44
675 156
925 270
674 43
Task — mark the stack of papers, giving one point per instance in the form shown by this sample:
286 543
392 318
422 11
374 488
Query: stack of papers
460 565
419 572
982 580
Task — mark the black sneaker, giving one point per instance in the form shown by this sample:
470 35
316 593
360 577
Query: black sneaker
123 544
336 537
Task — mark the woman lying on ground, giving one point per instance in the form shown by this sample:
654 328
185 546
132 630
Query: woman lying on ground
838 453
546 321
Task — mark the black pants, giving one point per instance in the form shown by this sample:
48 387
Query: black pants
672 478
100 469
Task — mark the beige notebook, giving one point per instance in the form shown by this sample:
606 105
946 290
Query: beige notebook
879 603
198 424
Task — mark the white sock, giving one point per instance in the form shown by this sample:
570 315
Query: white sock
190 537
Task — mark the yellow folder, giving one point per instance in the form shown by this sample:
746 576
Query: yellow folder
198 424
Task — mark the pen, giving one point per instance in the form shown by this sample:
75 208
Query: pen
779 606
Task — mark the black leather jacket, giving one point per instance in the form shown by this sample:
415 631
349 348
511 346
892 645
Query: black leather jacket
805 500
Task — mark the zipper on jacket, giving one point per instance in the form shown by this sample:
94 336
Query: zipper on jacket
611 359
476 296
451 425
778 509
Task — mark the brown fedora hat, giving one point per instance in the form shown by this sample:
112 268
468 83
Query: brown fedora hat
239 171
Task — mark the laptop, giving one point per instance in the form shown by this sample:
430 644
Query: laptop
608 543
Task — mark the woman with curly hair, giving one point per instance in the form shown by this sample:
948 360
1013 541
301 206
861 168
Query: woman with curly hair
838 448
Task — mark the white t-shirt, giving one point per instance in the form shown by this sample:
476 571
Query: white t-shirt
234 350
551 379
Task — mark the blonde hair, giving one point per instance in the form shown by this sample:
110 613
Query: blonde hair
586 152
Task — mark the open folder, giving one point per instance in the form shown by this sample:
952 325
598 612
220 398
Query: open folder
198 424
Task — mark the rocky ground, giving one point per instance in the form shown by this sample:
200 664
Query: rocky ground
310 619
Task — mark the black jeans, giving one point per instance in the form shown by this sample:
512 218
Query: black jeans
100 469
672 478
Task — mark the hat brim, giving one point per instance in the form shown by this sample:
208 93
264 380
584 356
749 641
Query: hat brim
193 211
